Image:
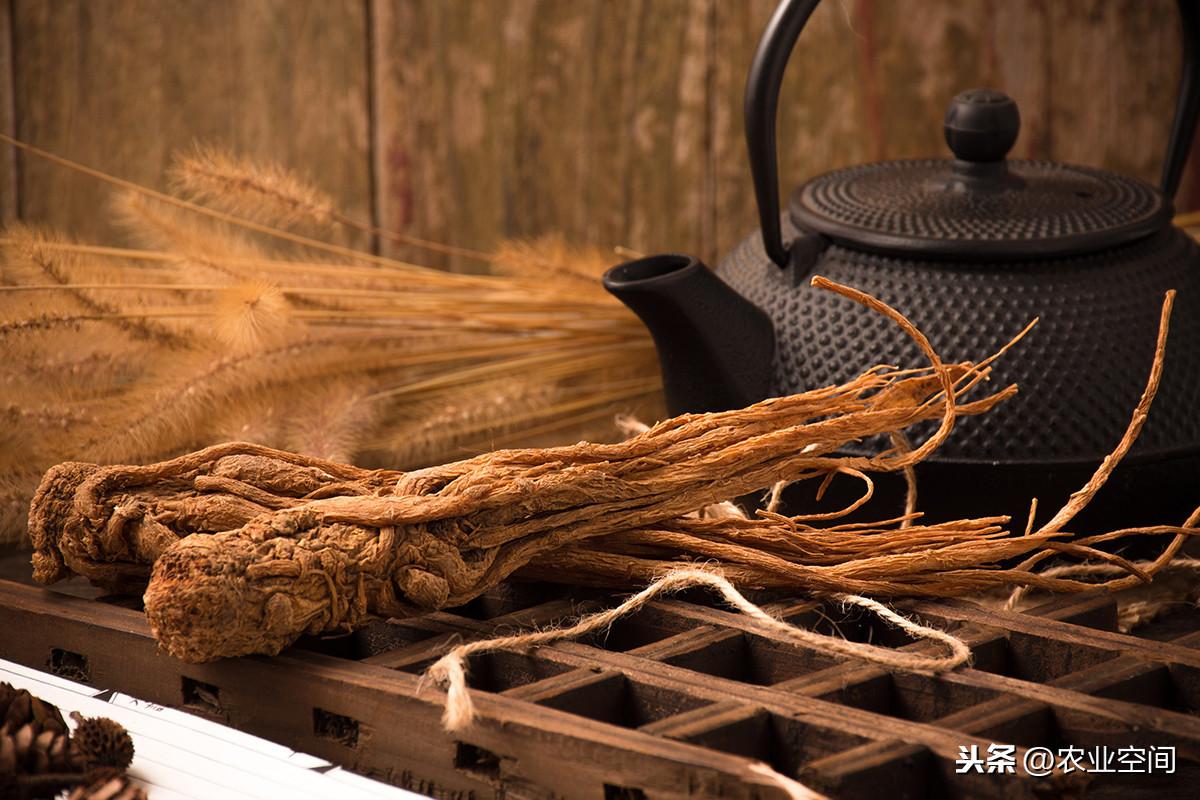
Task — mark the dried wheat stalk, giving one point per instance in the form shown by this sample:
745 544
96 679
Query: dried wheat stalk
250 189
220 325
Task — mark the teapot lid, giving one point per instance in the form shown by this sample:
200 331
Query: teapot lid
979 205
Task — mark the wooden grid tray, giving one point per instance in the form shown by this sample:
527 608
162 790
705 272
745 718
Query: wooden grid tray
680 700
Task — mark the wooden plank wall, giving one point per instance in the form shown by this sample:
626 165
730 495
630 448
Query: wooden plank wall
610 121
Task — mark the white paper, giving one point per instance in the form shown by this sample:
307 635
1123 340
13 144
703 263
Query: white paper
179 756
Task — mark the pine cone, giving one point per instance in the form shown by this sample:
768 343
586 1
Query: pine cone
39 758
100 742
18 708
34 767
111 786
25 752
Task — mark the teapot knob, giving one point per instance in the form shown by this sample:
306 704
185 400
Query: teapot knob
981 125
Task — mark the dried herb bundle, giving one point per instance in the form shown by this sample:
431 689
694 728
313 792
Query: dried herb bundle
447 534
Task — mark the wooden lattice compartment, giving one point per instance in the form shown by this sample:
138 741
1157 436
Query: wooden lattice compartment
682 698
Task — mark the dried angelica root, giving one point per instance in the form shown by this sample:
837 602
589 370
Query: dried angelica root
888 558
951 559
770 553
450 533
110 523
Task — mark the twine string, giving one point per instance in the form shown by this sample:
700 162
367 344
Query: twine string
450 670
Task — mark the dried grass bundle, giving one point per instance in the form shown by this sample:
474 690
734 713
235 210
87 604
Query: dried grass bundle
219 325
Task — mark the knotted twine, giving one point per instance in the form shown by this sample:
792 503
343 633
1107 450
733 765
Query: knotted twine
450 669
792 788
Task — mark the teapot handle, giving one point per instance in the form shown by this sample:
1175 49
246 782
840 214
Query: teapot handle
766 77
762 101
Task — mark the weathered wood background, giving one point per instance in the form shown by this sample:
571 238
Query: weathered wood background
611 121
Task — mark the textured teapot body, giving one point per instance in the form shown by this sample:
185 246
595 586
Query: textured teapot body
971 249
1080 371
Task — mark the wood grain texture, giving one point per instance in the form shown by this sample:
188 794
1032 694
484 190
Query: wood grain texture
121 84
8 163
615 122
822 108
531 116
651 708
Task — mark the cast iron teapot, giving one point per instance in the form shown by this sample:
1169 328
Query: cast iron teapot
970 248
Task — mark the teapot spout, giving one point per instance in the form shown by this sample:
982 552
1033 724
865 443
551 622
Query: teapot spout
715 348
